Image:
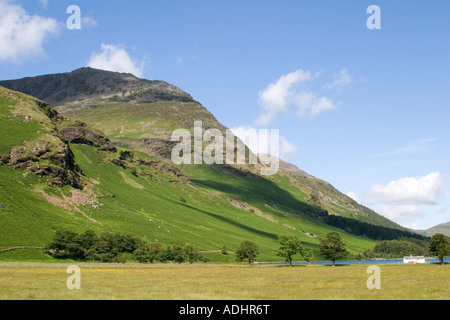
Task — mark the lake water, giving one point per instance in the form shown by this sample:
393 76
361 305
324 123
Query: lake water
371 262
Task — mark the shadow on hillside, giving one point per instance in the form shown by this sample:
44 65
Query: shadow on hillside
258 191
263 193
233 222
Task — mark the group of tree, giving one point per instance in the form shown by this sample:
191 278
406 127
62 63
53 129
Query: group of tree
398 248
332 247
115 247
438 246
155 251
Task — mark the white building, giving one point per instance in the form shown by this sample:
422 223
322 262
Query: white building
414 260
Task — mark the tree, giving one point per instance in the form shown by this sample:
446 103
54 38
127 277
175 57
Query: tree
177 254
439 246
247 251
142 253
120 259
66 245
290 246
191 254
147 253
359 257
368 254
308 255
333 247
88 240
155 251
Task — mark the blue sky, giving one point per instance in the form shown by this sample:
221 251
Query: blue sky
366 110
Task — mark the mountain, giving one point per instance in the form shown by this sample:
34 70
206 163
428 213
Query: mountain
98 157
443 228
88 83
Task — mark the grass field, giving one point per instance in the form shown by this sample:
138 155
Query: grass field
22 281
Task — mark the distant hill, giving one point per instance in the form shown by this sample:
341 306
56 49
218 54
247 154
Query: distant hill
98 157
443 228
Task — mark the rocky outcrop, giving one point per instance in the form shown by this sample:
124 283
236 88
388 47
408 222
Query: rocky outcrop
80 134
47 157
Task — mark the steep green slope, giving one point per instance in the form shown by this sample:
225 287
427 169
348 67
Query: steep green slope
145 198
60 173
147 127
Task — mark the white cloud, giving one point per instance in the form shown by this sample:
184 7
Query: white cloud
22 35
406 199
249 135
88 22
339 81
278 96
275 97
410 190
310 105
353 195
287 149
116 58
401 213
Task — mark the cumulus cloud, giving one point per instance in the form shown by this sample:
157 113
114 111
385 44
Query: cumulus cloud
250 136
22 35
275 98
339 81
401 213
410 190
311 105
115 58
405 199
285 92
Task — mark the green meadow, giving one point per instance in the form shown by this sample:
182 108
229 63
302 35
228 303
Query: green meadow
25 281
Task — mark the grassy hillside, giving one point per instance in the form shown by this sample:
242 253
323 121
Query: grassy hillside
60 173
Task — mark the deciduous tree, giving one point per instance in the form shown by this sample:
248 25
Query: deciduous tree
333 247
289 246
247 251
440 246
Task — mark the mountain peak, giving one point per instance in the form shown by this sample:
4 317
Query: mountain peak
89 83
91 71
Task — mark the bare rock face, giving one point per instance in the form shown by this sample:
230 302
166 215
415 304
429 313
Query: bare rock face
47 157
79 134
17 155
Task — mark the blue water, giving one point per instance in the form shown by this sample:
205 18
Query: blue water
371 262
